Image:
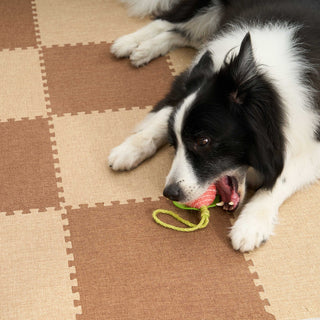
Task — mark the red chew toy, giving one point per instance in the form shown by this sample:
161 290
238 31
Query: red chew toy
206 199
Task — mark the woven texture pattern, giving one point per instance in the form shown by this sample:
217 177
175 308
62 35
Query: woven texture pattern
77 241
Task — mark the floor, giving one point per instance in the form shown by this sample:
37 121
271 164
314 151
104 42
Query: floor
77 241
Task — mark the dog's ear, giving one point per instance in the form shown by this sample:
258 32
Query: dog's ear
265 152
243 70
201 71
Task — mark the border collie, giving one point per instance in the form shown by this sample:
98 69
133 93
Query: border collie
246 112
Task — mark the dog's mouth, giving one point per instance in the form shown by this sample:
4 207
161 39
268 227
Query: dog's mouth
227 188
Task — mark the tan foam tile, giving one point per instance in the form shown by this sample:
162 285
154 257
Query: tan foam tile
181 59
82 21
288 265
84 142
129 267
35 277
22 91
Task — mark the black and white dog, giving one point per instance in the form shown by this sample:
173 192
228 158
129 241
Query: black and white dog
247 111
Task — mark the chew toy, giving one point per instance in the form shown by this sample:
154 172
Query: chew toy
202 204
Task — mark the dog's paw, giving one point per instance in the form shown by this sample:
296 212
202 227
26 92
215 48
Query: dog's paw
124 46
143 54
252 229
128 155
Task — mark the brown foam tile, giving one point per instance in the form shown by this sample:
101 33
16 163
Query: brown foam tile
88 78
35 277
180 59
27 172
16 27
23 96
84 142
128 267
70 22
288 265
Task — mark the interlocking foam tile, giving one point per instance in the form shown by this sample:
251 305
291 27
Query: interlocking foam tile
84 142
180 59
128 267
16 27
27 172
88 78
35 278
22 92
82 21
288 264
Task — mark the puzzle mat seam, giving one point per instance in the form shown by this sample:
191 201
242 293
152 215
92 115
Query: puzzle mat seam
67 237
50 115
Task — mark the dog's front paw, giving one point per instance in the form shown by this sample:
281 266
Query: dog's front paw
124 46
131 152
143 54
252 229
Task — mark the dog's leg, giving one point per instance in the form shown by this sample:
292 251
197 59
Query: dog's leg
157 46
141 8
256 221
150 135
125 45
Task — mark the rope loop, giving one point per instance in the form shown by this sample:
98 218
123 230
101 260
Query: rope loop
205 215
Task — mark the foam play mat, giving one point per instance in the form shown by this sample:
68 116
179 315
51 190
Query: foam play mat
77 240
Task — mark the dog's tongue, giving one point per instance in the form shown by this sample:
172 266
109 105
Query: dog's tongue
226 187
206 199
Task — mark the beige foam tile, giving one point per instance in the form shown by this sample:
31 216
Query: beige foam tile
288 265
81 21
84 142
21 82
35 277
180 59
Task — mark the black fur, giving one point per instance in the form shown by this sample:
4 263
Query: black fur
186 83
240 112
184 10
239 108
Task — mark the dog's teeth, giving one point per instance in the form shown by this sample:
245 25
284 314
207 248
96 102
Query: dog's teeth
220 204
231 203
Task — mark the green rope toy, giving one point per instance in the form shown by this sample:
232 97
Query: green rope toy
204 212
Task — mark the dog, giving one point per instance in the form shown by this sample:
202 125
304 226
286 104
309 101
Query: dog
246 113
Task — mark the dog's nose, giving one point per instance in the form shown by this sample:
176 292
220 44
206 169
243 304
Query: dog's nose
173 192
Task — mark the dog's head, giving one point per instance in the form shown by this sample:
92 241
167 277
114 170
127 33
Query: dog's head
229 120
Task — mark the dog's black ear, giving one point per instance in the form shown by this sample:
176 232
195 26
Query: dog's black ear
201 71
243 70
266 153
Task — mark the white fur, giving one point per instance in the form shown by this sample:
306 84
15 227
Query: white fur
141 8
155 47
181 171
204 24
150 135
149 42
284 66
180 114
256 221
125 45
277 56
158 38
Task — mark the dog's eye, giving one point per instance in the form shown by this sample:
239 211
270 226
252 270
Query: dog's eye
202 141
